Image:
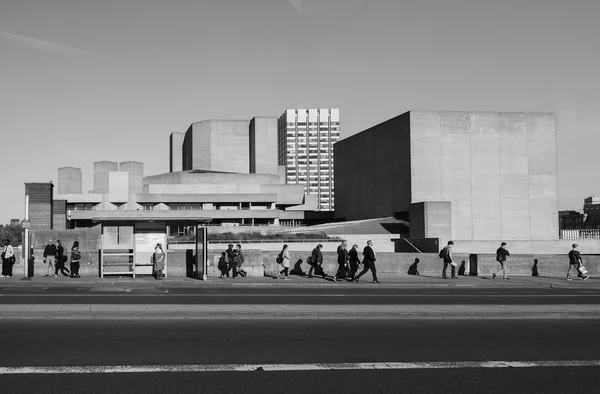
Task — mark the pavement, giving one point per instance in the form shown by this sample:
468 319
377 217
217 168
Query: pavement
387 280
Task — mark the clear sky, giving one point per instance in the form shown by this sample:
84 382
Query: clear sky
84 81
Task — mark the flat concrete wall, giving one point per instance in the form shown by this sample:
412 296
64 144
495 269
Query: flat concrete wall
176 151
498 170
263 145
372 171
69 180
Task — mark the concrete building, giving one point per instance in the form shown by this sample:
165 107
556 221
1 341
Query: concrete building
217 145
263 145
306 139
69 180
468 176
176 151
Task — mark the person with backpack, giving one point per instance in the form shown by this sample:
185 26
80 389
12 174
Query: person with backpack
231 266
316 259
501 255
446 255
75 259
61 259
576 262
284 259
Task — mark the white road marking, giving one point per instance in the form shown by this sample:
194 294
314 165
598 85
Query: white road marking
130 295
294 367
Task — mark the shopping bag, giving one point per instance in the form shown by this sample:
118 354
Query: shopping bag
582 269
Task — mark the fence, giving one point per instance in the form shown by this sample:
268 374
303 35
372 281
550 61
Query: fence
580 234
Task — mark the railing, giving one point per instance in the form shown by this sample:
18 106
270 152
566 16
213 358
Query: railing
580 234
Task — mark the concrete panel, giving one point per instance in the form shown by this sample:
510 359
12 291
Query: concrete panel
484 186
230 146
456 188
101 171
514 146
118 183
542 157
514 165
424 164
69 180
461 219
543 186
420 145
515 228
176 151
512 125
424 124
515 208
482 165
426 188
456 164
544 227
456 144
484 123
454 122
263 145
541 207
514 186
135 171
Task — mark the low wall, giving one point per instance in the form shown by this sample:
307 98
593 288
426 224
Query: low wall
263 262
557 247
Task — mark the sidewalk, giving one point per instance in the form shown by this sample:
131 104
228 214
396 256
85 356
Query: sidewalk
387 281
270 312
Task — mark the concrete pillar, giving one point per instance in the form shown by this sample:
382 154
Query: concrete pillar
101 170
69 180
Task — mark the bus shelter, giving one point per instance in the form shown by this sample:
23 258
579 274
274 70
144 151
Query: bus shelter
127 244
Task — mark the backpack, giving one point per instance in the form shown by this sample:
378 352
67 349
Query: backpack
443 253
280 258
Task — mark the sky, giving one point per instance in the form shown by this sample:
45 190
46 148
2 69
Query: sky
85 81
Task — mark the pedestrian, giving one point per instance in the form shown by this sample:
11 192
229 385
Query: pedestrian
413 269
60 260
369 262
446 255
576 262
238 258
158 259
353 261
8 259
342 259
316 259
49 257
501 254
223 265
231 266
75 259
534 269
284 258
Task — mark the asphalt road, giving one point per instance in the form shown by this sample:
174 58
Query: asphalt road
343 295
85 343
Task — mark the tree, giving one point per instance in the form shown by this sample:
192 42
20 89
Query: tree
12 233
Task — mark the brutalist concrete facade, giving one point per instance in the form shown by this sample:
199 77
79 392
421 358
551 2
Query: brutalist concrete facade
497 171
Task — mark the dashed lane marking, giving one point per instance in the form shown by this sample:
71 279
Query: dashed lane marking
293 367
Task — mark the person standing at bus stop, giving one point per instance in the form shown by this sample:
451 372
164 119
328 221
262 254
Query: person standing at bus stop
49 257
158 258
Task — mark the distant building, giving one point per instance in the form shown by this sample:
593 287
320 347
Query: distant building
14 221
570 220
468 176
306 139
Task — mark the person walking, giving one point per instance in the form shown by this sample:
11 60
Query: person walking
75 259
575 262
61 259
316 259
501 254
158 259
353 261
49 257
342 259
238 258
446 255
284 257
369 262
8 259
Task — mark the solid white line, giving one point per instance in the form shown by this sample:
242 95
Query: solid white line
129 295
294 367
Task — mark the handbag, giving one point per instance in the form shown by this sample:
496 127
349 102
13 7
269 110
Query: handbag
582 269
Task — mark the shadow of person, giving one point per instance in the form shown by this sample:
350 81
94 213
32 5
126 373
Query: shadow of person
534 269
223 266
413 269
297 270
461 270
